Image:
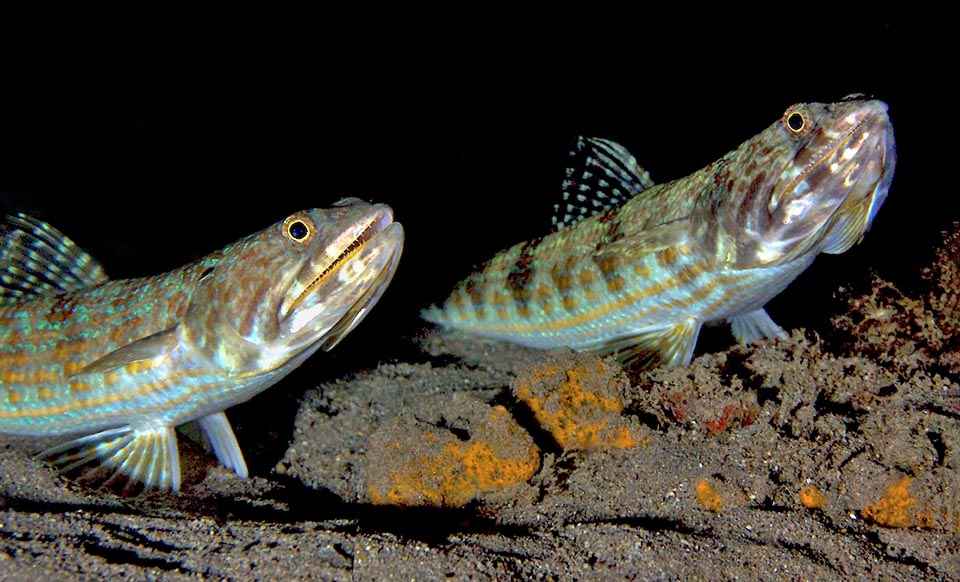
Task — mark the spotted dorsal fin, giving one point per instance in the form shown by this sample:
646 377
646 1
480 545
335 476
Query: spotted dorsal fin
602 174
37 259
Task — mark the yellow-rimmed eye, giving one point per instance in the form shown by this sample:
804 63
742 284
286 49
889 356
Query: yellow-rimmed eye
298 228
795 121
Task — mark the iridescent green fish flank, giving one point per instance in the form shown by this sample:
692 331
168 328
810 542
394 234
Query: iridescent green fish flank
124 362
637 269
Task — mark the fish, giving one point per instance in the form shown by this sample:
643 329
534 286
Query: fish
636 269
119 364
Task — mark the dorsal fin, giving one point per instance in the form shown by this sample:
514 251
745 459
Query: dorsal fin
37 259
601 174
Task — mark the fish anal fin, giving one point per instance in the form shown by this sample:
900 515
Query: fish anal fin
755 326
669 346
145 455
151 347
220 435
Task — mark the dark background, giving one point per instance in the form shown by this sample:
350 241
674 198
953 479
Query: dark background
152 136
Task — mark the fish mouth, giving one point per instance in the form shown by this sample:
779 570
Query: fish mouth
343 284
351 242
830 203
359 309
866 185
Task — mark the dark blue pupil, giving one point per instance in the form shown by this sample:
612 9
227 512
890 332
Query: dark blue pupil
298 230
796 121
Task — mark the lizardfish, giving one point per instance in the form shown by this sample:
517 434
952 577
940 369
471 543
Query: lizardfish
124 362
637 268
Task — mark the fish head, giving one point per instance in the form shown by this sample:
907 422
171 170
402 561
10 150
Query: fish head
300 285
812 182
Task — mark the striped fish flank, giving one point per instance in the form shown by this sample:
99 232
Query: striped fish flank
121 363
637 268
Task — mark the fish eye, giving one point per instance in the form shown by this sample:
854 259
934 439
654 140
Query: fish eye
298 228
796 122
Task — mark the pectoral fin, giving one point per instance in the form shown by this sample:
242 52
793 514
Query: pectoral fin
634 247
155 346
848 229
145 455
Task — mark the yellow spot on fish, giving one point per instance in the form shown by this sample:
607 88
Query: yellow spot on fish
564 283
139 366
542 293
77 386
44 393
40 376
667 256
587 277
615 283
14 396
608 265
8 377
71 368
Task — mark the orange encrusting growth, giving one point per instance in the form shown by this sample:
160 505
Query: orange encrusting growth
577 417
455 476
812 498
898 508
448 454
709 497
893 509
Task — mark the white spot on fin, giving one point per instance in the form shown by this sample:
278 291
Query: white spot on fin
37 259
602 173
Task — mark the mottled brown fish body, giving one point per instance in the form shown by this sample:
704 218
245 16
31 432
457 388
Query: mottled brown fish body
642 277
126 361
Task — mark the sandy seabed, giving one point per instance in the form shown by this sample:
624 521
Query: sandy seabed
830 455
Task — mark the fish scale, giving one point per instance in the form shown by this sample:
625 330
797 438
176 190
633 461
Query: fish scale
124 362
637 268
